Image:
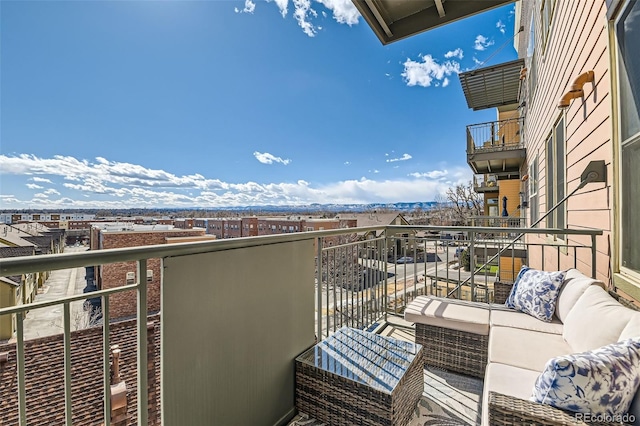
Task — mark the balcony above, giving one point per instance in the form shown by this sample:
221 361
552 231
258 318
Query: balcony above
485 183
393 20
496 147
493 86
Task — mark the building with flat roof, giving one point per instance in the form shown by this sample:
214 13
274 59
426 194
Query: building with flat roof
123 234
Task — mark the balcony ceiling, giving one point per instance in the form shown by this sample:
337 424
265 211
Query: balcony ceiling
493 86
393 20
504 161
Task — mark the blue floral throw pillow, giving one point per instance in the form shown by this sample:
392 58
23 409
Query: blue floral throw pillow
601 382
536 292
509 302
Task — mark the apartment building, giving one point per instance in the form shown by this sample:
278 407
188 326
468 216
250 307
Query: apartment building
15 217
573 95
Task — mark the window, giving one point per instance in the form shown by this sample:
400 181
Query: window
532 75
149 275
546 15
627 32
131 277
533 191
555 175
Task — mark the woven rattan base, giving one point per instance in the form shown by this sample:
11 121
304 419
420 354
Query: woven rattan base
453 350
335 400
501 290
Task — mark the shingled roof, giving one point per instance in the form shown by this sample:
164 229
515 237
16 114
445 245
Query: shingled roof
13 280
42 242
44 360
16 251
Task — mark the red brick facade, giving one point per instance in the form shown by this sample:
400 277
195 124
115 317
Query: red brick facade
123 305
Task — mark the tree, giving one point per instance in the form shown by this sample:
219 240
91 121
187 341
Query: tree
465 202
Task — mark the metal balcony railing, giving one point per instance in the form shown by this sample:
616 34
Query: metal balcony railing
485 181
495 136
236 311
498 222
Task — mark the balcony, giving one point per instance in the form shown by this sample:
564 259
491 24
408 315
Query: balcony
485 183
496 147
234 315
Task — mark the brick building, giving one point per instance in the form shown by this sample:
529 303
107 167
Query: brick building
119 235
186 223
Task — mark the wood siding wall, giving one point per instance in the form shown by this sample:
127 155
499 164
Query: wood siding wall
510 188
577 42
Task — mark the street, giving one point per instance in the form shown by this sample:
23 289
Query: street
48 321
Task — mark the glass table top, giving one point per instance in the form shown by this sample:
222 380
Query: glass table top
368 358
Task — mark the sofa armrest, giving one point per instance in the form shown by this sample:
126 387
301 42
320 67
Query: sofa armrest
509 410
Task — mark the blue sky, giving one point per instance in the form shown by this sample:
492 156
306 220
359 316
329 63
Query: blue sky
224 103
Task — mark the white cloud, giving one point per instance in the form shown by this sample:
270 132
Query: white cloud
33 186
424 73
434 174
347 163
482 42
302 12
500 25
477 61
343 11
404 157
39 179
266 158
249 7
282 5
457 53
102 183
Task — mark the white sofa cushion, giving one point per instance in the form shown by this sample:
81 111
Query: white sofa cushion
501 316
601 382
575 283
525 348
596 320
472 317
506 380
632 329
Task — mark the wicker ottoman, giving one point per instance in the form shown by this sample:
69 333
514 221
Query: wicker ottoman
356 377
454 333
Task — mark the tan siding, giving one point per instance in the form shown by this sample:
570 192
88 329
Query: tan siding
576 45
510 188
509 268
588 199
590 218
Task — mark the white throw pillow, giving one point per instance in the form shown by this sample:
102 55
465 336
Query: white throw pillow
602 382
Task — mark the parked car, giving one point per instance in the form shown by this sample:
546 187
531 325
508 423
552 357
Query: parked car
405 259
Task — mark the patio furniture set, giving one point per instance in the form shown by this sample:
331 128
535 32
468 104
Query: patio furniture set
579 364
565 356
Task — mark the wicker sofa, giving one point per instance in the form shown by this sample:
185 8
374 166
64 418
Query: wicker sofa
509 349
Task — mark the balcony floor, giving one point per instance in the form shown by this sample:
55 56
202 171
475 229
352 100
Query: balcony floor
448 398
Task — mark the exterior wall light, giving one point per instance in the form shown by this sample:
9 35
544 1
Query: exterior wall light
576 89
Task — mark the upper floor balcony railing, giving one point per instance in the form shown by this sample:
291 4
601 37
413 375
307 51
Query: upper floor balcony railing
498 221
485 183
496 146
235 313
